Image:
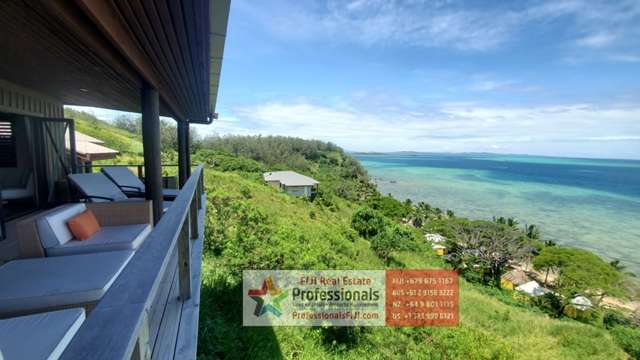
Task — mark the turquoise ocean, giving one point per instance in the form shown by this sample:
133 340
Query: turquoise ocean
592 204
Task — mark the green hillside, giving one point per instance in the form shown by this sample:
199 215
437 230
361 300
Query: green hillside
253 226
129 145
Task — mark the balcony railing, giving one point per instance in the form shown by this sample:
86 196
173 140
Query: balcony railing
151 310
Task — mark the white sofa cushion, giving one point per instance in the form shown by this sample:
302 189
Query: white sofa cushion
108 238
28 285
40 336
53 229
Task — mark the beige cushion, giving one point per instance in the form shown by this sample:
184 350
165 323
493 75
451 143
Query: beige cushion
40 336
28 285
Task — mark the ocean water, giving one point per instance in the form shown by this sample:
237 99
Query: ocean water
585 203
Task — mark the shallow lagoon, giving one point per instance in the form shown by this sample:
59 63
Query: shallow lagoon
587 203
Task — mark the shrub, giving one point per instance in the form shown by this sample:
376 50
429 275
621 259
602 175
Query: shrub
367 222
628 338
245 192
392 238
390 207
550 303
613 318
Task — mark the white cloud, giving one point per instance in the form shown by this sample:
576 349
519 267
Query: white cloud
597 40
591 130
593 24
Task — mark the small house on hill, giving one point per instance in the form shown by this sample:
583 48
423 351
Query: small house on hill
513 278
291 182
532 288
89 149
434 238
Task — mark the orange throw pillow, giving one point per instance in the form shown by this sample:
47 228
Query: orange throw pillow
84 225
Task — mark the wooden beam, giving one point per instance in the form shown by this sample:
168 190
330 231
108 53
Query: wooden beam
72 146
151 144
188 152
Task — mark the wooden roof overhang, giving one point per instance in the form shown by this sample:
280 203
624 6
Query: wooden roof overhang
102 52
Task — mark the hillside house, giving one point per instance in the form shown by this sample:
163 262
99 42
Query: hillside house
513 278
292 183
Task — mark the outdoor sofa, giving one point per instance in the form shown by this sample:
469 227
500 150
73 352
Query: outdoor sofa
57 240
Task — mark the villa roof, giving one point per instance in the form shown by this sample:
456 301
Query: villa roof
289 178
581 303
89 148
516 277
532 288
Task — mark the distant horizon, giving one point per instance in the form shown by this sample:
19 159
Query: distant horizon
485 153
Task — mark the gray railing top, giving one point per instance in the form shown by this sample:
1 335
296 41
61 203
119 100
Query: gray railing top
112 328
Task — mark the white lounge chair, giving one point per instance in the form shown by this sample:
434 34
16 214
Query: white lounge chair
39 336
130 183
96 187
42 284
57 240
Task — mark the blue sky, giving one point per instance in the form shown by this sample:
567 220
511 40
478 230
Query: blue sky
535 77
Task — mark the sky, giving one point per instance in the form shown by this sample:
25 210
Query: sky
558 78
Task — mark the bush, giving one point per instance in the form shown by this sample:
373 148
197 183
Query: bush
368 222
390 207
550 303
628 338
613 318
392 238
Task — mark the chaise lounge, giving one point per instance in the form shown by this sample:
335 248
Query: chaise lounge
49 334
129 183
96 187
42 284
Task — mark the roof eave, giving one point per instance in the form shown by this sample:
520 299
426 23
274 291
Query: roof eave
218 18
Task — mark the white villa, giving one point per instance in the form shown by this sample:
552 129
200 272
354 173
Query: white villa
291 182
532 288
435 238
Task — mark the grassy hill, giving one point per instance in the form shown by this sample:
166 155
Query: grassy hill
253 226
129 145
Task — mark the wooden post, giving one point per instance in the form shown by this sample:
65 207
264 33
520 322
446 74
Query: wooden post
193 216
142 351
184 260
183 150
151 144
72 146
188 142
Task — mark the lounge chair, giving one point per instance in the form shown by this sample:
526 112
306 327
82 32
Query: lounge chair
129 183
35 285
96 187
57 240
39 336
